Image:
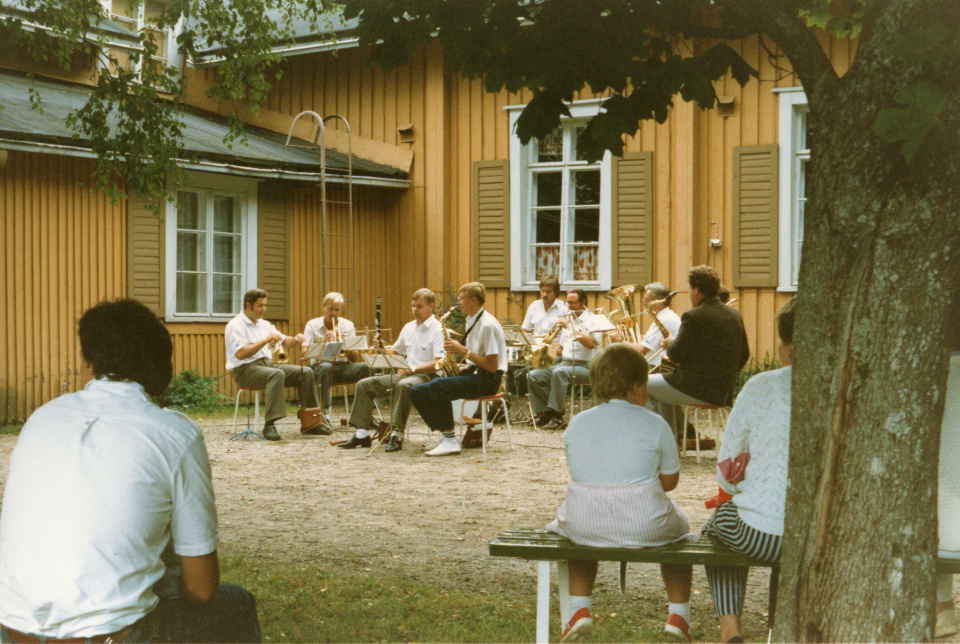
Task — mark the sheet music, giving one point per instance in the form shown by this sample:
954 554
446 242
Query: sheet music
386 361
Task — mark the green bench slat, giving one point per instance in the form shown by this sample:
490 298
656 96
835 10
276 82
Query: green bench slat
541 545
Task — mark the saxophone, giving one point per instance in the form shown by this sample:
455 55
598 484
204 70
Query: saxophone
545 355
449 364
666 365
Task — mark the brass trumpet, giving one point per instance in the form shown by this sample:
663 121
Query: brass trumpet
280 354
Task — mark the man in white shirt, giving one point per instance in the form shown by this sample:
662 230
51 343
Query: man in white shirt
548 387
109 529
485 351
543 314
250 341
656 297
349 367
421 341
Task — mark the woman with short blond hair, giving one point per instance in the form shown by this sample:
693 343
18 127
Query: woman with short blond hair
622 460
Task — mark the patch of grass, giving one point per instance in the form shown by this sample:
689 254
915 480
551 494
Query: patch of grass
753 367
307 603
13 429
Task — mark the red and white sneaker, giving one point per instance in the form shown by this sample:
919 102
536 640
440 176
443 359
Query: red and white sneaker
677 629
579 627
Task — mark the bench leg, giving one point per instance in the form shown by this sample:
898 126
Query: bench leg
543 602
772 596
563 590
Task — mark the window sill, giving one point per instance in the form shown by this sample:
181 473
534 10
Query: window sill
786 289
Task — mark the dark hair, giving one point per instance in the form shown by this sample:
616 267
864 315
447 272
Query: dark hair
705 279
785 321
552 281
724 294
251 297
124 340
615 370
580 293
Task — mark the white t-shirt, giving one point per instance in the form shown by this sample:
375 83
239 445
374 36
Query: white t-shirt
540 321
487 338
317 329
99 483
572 349
619 443
420 343
652 338
242 331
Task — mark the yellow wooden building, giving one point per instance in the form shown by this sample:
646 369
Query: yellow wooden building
442 194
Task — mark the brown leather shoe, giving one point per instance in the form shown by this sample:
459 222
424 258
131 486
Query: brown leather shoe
705 444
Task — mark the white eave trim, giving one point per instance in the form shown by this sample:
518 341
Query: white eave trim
211 166
288 50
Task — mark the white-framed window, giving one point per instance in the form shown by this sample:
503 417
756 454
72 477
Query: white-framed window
211 247
138 16
559 207
794 156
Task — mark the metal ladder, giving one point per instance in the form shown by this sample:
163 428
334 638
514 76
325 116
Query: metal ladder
319 145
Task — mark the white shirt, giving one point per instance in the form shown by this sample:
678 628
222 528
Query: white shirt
317 329
486 338
100 481
652 338
540 321
420 343
572 349
242 331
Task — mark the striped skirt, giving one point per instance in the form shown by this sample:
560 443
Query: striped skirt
624 516
728 584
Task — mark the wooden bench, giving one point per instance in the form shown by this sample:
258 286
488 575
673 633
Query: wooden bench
543 547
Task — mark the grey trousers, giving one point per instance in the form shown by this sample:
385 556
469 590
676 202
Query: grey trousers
548 387
665 400
328 373
272 377
374 387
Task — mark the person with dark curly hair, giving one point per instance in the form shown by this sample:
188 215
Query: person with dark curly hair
109 530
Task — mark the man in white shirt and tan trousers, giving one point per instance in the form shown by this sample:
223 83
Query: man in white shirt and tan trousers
421 341
250 340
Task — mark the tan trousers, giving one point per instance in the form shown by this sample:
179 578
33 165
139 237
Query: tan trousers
267 375
376 386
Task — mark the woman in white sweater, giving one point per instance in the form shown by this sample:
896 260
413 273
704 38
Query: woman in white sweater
948 495
752 467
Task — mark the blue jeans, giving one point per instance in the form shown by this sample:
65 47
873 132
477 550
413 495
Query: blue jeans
231 616
432 399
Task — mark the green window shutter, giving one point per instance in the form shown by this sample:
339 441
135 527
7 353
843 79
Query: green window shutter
491 223
273 248
755 215
145 255
632 218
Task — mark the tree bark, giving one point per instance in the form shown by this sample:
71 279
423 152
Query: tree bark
879 277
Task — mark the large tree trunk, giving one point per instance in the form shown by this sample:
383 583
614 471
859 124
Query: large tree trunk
879 274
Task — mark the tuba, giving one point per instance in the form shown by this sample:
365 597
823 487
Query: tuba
449 364
627 322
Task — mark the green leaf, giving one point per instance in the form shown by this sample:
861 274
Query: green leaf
915 123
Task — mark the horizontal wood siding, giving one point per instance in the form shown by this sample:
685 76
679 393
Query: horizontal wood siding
64 250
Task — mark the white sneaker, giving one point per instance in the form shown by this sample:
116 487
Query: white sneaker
447 447
432 444
946 623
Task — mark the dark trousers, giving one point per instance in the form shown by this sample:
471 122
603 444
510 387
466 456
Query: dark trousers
231 616
432 399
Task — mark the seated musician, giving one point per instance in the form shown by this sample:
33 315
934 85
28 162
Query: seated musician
948 496
250 340
421 341
544 313
548 387
484 349
709 350
752 467
349 367
622 460
656 298
109 527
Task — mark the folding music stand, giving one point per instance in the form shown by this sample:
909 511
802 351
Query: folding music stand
520 338
385 361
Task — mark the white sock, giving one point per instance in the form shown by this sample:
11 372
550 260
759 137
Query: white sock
683 610
944 588
363 433
577 602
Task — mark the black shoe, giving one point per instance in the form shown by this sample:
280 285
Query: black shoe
395 444
356 442
321 429
270 432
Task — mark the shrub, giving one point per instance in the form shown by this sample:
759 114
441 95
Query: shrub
753 367
190 390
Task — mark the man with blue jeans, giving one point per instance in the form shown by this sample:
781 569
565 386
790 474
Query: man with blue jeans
108 529
485 351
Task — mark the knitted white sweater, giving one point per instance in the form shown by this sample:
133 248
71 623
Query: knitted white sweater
948 498
759 426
